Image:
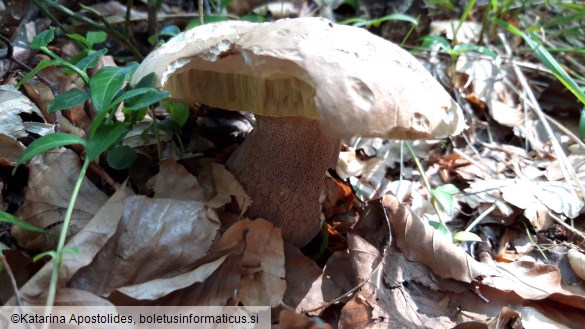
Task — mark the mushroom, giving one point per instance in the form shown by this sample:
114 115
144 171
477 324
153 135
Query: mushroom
309 83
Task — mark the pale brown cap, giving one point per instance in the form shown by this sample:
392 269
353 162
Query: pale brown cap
355 83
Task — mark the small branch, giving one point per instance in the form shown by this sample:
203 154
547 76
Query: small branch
152 23
12 279
201 12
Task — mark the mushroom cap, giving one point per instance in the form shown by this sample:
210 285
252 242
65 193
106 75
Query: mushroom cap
355 83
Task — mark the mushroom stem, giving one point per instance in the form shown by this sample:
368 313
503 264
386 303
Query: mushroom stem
282 166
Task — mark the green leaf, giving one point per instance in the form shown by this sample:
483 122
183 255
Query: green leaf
8 218
80 38
68 100
178 111
167 31
466 47
144 100
468 7
169 125
448 188
444 195
43 39
48 142
464 236
547 59
91 60
129 94
207 20
431 40
105 136
395 17
43 64
147 81
104 86
71 250
51 253
121 157
441 228
254 18
95 37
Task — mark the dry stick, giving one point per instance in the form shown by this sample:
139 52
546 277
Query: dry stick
200 8
12 280
128 16
152 23
125 39
117 34
54 89
567 170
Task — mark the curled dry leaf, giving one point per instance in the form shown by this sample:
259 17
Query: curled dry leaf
158 288
90 240
173 181
419 242
12 105
52 176
577 262
301 273
10 150
154 238
220 185
263 275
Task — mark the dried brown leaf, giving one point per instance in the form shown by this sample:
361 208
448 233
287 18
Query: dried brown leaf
263 275
221 185
153 238
10 149
301 273
90 240
12 105
174 182
419 242
158 288
52 176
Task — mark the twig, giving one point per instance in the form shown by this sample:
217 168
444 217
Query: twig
152 23
12 280
128 17
54 89
93 24
200 8
116 33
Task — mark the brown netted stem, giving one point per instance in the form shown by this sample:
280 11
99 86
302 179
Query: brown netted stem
282 166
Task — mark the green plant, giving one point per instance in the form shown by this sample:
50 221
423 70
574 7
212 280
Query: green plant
108 89
360 22
548 60
442 197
